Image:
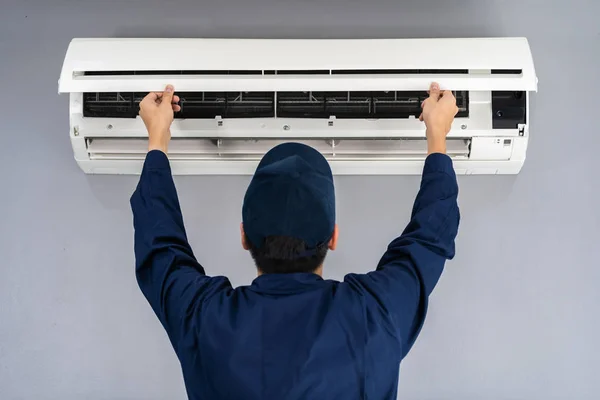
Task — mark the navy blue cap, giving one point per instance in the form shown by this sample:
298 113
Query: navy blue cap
291 194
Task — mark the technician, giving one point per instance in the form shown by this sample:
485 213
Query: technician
291 335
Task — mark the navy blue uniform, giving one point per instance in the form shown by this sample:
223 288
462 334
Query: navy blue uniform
292 336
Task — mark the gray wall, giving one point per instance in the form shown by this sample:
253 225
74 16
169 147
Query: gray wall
515 316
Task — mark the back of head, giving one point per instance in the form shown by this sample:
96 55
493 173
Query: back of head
289 210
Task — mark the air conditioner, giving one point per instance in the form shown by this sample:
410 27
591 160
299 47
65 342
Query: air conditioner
357 101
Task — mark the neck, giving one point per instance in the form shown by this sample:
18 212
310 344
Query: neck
318 271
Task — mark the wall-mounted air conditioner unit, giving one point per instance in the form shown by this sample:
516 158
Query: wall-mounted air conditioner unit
357 101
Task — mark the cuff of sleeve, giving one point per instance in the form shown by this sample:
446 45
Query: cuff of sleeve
438 162
156 159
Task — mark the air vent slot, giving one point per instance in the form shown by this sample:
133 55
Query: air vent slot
173 72
207 105
298 72
399 71
507 71
283 72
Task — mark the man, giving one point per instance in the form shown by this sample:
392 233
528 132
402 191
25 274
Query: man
291 334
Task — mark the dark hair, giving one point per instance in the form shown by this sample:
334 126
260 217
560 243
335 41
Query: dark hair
284 254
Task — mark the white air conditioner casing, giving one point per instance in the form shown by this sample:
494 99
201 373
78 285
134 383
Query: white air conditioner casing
288 81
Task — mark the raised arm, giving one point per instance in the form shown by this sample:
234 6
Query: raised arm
397 292
171 279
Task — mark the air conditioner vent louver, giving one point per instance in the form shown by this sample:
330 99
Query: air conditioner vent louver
375 105
251 149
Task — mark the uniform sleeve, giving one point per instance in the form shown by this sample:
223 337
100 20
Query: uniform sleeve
397 292
170 278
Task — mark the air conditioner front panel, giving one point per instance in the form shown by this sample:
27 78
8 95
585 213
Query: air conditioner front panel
112 65
125 54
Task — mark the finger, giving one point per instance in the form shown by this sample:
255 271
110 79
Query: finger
154 98
150 98
167 96
448 97
421 117
434 92
176 108
175 99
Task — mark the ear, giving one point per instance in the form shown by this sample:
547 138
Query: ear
334 238
243 236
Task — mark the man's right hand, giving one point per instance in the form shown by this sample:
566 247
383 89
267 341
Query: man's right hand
439 111
156 110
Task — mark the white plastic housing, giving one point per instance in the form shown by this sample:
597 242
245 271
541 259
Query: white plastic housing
229 146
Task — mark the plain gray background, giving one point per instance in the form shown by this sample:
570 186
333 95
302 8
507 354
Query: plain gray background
515 316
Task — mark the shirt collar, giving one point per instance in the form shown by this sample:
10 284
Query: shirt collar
286 283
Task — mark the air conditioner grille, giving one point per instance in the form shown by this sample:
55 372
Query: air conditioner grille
209 105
